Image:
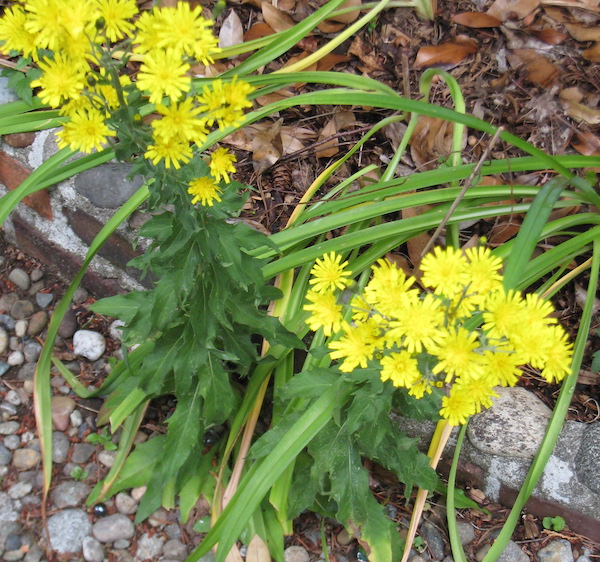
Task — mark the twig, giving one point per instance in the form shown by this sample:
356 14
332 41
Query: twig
460 196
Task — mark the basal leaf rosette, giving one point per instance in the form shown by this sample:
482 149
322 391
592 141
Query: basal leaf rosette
457 329
83 50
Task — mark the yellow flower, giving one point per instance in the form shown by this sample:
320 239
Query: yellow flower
14 35
558 356
221 164
163 74
328 273
172 151
107 93
455 349
204 190
502 365
418 390
224 102
326 312
85 131
532 343
401 368
116 15
356 346
504 313
389 290
60 80
179 120
445 270
149 26
457 407
236 93
480 391
483 271
538 310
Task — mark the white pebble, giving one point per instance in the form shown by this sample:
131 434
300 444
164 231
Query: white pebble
20 328
115 330
88 344
12 398
76 418
15 358
138 493
107 458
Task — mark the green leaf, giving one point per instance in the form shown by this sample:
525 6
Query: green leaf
595 367
310 384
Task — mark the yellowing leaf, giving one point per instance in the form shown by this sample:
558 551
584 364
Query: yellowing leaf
257 551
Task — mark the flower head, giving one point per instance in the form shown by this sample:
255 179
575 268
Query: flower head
221 164
60 81
85 131
163 74
356 346
445 270
328 273
457 407
389 290
174 152
179 120
117 15
401 368
326 313
455 349
204 190
14 35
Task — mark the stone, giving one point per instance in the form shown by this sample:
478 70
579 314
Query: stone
125 504
174 550
13 541
76 418
36 274
89 344
5 455
44 300
69 494
158 518
62 406
19 278
513 427
3 367
21 328
587 461
68 529
466 532
12 397
37 323
343 538
8 409
25 459
68 325
113 528
121 544
34 554
434 539
115 331
106 186
19 490
32 351
12 442
8 513
15 359
60 447
3 341
19 140
26 372
9 427
13 555
36 288
296 554
21 309
6 303
513 553
149 547
93 550
82 452
107 458
558 550
138 493
80 295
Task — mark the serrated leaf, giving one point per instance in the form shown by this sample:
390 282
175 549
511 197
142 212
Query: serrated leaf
309 384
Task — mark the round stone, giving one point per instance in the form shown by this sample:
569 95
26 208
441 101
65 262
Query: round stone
62 406
32 351
10 442
89 344
174 550
43 299
21 328
68 529
68 324
125 503
558 550
296 554
69 494
12 397
92 550
36 274
19 490
149 547
9 427
37 323
5 454
15 359
7 321
3 341
60 447
113 528
19 278
25 459
21 309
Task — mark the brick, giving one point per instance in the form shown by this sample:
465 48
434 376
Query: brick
19 140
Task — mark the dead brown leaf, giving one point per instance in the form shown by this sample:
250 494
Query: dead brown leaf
267 147
416 244
274 97
431 141
549 35
512 9
581 113
476 20
581 33
330 60
231 32
503 231
278 20
368 56
328 26
285 5
540 70
258 30
592 54
341 120
350 16
446 55
587 144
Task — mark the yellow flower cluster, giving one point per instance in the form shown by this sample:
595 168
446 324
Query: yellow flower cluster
465 333
69 40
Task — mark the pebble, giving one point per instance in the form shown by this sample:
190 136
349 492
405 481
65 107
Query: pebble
107 458
158 518
296 554
434 540
60 447
13 541
36 274
80 295
15 343
37 323
44 299
19 278
5 454
20 328
32 351
121 544
125 503
465 532
8 410
36 288
68 530
9 427
7 321
82 452
12 555
8 512
113 528
174 550
558 550
26 372
76 418
138 493
12 397
68 324
62 406
69 494
19 140
92 550
15 359
3 341
149 547
21 309
19 490
12 442
115 331
25 459
3 367
89 344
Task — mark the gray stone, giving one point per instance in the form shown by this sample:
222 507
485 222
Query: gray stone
19 278
62 406
12 442
19 490
68 324
69 494
89 344
558 550
125 504
434 540
15 359
3 341
34 554
113 528
36 274
12 397
7 321
5 455
121 544
13 541
26 372
7 94
12 555
513 553
80 295
296 554
36 288
76 418
21 309
174 550
92 550
60 447
4 366
67 530
8 513
44 299
9 427
37 323
25 459
82 452
8 409
149 547
32 351
107 186
107 458
513 427
587 461
465 532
